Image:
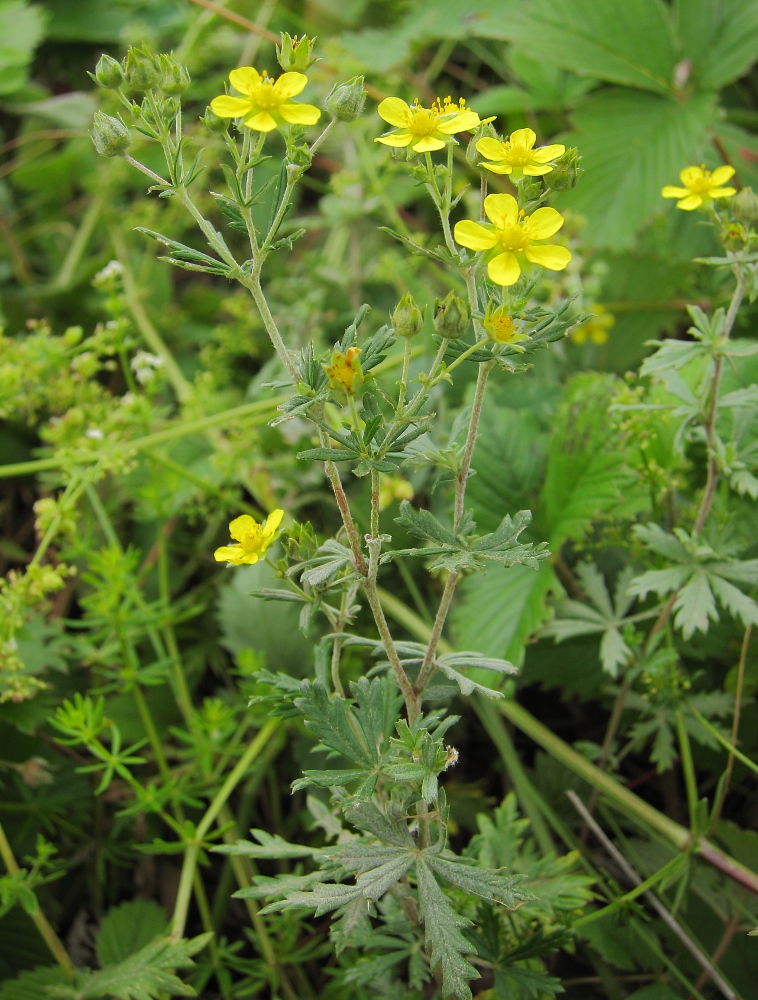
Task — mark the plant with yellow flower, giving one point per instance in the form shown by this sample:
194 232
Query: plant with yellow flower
265 102
252 539
517 157
700 187
425 129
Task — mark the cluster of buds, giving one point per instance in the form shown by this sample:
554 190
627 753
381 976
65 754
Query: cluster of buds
141 70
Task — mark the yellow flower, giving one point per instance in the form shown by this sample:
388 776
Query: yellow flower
265 103
345 373
425 129
253 539
393 488
513 236
596 328
517 156
700 187
501 326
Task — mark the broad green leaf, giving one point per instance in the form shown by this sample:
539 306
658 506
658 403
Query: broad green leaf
127 928
632 144
442 929
629 43
695 605
495 886
32 985
719 36
21 29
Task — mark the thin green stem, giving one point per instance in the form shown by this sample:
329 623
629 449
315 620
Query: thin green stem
688 767
253 284
47 933
735 726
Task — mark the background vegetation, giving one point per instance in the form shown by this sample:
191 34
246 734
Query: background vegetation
136 404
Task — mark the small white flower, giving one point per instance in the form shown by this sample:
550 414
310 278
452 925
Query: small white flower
113 269
94 433
144 365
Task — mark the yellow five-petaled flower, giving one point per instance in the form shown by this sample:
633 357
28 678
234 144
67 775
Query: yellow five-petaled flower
425 129
253 539
266 102
517 155
514 237
700 186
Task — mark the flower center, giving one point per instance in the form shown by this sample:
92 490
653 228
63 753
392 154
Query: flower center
700 185
253 539
512 237
264 96
423 121
502 328
517 156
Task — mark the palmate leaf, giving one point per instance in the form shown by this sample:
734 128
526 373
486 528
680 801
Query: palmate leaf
493 885
442 930
143 976
32 985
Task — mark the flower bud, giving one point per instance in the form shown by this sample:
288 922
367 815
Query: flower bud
214 123
529 189
407 319
108 73
451 316
142 70
566 171
175 77
745 205
345 100
294 54
110 136
473 156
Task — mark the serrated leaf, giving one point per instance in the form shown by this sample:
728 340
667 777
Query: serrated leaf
495 886
127 928
328 720
32 985
268 846
442 931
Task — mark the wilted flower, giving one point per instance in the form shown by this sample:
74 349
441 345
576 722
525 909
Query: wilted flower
345 373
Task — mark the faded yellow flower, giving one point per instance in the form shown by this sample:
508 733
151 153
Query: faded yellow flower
502 327
266 102
514 237
345 373
393 488
517 156
425 129
700 187
253 539
596 328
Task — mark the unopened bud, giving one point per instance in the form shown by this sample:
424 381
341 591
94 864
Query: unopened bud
175 77
745 205
566 171
214 123
407 319
345 100
473 156
294 54
142 70
451 317
108 73
110 136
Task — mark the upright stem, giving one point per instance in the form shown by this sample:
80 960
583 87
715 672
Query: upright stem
254 287
47 933
468 450
735 727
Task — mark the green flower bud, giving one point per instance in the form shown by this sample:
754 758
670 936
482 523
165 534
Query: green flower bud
473 156
407 319
108 73
110 136
175 77
566 171
142 69
345 101
170 108
529 189
294 54
745 205
451 316
214 123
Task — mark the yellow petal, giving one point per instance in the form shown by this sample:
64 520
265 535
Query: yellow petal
491 148
242 527
543 223
428 144
721 175
299 114
272 522
229 554
523 137
501 209
498 168
395 139
690 175
554 258
465 121
536 169
504 269
546 153
231 107
290 85
472 235
722 192
395 111
244 79
261 121
671 191
249 558
691 202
